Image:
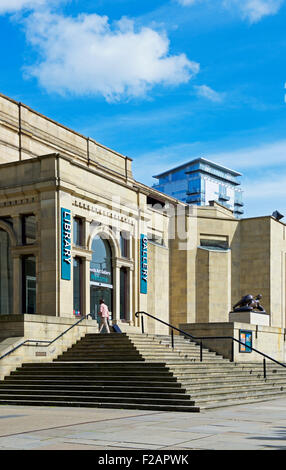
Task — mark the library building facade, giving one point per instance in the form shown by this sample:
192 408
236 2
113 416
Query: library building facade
76 227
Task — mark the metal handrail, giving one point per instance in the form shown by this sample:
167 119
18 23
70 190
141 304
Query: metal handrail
44 341
195 338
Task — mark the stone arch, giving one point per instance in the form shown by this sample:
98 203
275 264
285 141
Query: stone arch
7 242
7 228
107 234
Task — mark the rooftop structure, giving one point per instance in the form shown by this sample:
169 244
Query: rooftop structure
200 181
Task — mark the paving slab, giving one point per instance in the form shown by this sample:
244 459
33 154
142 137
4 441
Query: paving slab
260 426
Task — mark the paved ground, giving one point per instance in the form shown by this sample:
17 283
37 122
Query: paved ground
246 427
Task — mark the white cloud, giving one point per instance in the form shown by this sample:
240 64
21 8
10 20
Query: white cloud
208 93
87 55
10 6
252 10
252 158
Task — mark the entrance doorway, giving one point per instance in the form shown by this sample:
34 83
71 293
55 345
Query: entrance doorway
97 293
101 282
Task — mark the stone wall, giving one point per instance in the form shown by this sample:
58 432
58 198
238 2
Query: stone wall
25 133
15 329
266 339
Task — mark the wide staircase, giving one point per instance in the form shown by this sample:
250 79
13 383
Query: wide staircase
215 382
140 371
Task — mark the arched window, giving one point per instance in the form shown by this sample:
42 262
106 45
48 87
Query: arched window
101 262
6 274
101 278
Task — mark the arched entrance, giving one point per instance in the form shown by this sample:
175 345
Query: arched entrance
101 278
6 274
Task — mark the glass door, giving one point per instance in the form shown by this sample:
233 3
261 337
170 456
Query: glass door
97 293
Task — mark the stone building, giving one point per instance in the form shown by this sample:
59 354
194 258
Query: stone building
75 226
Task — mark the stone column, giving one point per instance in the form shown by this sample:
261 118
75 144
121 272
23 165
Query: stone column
17 227
86 284
130 318
116 293
17 285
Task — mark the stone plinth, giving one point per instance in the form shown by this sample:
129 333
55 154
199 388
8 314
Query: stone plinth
253 318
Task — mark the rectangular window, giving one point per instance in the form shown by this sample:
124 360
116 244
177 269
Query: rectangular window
29 229
78 238
124 244
77 287
123 293
29 283
194 186
214 244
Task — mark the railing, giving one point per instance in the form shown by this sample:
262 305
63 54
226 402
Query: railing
24 343
199 339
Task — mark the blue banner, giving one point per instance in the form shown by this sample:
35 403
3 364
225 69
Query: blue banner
66 244
143 264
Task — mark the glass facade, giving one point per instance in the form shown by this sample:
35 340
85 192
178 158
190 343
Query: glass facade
200 182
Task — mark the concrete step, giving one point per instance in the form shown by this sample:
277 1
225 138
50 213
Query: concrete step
112 404
117 382
255 396
234 392
102 394
190 382
197 375
94 373
78 358
206 386
145 388
98 398
93 365
99 377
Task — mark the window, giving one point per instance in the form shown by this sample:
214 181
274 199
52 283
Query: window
194 186
124 244
101 262
29 229
77 287
29 282
217 245
152 237
155 203
123 293
78 231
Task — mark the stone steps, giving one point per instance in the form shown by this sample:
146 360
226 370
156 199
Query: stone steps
215 382
141 372
111 384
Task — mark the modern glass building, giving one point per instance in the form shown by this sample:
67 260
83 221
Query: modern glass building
200 181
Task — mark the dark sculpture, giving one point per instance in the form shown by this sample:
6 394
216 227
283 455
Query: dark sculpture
249 304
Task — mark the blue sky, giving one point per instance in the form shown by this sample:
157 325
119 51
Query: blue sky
162 81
